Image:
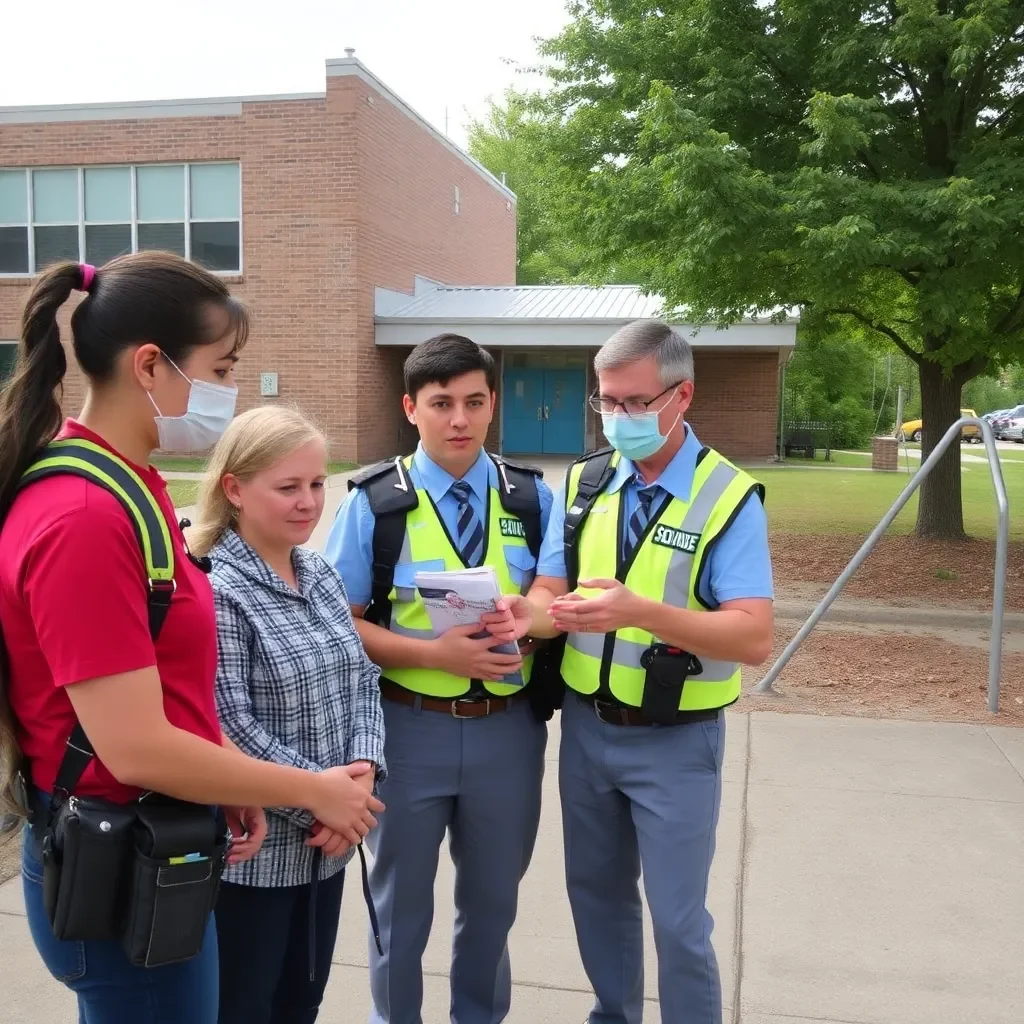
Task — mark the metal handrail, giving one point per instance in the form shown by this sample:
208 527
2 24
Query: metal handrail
995 653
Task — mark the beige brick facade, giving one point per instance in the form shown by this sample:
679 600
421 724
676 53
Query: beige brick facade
341 194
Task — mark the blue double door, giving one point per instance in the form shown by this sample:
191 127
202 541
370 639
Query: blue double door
544 411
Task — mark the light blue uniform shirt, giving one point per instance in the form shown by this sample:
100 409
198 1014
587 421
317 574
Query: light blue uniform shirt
740 563
350 543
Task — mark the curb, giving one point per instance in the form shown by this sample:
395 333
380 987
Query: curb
892 615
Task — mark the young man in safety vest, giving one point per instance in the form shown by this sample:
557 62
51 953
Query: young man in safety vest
465 753
656 567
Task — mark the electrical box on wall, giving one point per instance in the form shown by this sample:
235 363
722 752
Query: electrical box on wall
268 385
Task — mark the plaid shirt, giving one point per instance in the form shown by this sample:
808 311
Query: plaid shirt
294 686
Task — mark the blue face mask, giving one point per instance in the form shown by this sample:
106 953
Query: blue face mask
635 437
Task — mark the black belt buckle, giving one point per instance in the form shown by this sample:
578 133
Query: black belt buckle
667 669
609 712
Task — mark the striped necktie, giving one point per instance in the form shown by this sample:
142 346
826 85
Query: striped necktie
469 530
641 516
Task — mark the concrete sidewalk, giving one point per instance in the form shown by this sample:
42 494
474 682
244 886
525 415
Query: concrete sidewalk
868 872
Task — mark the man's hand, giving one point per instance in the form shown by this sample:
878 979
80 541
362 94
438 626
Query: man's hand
511 620
458 654
248 830
613 609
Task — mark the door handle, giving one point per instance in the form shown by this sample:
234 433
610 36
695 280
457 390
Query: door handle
540 412
547 413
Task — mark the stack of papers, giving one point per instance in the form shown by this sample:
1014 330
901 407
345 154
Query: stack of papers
459 598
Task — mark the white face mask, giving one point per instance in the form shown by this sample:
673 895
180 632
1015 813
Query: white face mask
211 408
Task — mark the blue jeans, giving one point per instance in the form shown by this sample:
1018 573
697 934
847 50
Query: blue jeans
109 989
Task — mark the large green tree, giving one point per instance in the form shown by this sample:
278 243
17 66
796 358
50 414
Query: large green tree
510 141
864 161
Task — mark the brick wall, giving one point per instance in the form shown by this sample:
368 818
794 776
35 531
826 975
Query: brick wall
338 195
408 226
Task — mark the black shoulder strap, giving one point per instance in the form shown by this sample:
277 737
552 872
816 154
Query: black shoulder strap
391 496
520 498
597 472
78 457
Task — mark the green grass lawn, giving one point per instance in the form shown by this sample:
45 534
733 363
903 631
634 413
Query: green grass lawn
198 465
182 492
809 501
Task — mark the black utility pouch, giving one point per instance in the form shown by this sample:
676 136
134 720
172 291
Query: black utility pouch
667 669
179 856
86 852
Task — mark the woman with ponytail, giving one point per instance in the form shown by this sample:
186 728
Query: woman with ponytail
156 338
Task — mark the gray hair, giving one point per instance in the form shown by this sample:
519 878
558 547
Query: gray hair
643 338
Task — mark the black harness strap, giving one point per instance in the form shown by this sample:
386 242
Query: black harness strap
85 460
391 496
596 474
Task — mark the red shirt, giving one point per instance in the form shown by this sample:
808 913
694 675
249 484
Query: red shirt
73 608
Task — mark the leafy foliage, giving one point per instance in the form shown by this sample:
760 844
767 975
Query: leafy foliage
862 160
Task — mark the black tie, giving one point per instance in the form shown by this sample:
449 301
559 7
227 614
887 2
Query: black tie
469 530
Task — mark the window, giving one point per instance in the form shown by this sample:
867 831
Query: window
95 214
8 357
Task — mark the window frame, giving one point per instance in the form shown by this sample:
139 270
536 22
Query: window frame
6 343
133 169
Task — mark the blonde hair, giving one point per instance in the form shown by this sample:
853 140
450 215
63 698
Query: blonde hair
253 442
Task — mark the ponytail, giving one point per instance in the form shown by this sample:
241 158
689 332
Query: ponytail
30 417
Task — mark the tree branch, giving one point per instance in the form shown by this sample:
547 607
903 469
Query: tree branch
895 338
1014 315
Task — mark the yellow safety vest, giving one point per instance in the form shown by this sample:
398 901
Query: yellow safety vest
427 540
666 567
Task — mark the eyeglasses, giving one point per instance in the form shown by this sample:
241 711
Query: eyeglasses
631 407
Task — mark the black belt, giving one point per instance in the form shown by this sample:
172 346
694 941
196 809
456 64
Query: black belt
614 712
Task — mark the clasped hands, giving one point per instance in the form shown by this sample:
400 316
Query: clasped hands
338 843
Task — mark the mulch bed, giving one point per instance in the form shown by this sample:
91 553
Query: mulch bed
920 677
901 570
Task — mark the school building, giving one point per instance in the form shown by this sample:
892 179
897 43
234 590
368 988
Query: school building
353 230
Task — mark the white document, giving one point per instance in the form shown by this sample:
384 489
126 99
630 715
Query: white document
459 598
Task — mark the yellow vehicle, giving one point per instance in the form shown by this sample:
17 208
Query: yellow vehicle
911 430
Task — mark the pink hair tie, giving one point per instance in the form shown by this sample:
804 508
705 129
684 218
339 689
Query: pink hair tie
88 276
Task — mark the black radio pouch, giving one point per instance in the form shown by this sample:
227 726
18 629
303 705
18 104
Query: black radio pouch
178 856
86 856
667 670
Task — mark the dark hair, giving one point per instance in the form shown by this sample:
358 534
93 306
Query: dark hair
147 297
443 358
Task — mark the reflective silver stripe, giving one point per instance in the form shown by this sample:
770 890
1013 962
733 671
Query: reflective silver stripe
627 654
415 634
591 644
680 568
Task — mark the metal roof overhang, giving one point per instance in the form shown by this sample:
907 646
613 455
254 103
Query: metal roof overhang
567 333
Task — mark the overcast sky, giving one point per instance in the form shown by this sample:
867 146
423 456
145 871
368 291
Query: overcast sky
433 53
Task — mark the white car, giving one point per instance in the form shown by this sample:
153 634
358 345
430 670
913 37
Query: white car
1011 425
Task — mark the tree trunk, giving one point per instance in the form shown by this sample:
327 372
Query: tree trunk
940 512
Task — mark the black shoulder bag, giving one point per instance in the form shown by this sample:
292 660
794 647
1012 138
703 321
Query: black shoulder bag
146 873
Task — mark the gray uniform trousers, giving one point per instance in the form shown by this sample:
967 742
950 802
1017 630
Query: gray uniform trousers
479 780
632 797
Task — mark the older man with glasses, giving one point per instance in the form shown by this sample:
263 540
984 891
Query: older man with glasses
656 567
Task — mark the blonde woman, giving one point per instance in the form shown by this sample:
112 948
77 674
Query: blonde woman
294 686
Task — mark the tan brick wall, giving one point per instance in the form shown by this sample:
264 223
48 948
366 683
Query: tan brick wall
338 195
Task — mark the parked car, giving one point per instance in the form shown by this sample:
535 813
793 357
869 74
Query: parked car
1010 427
912 429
